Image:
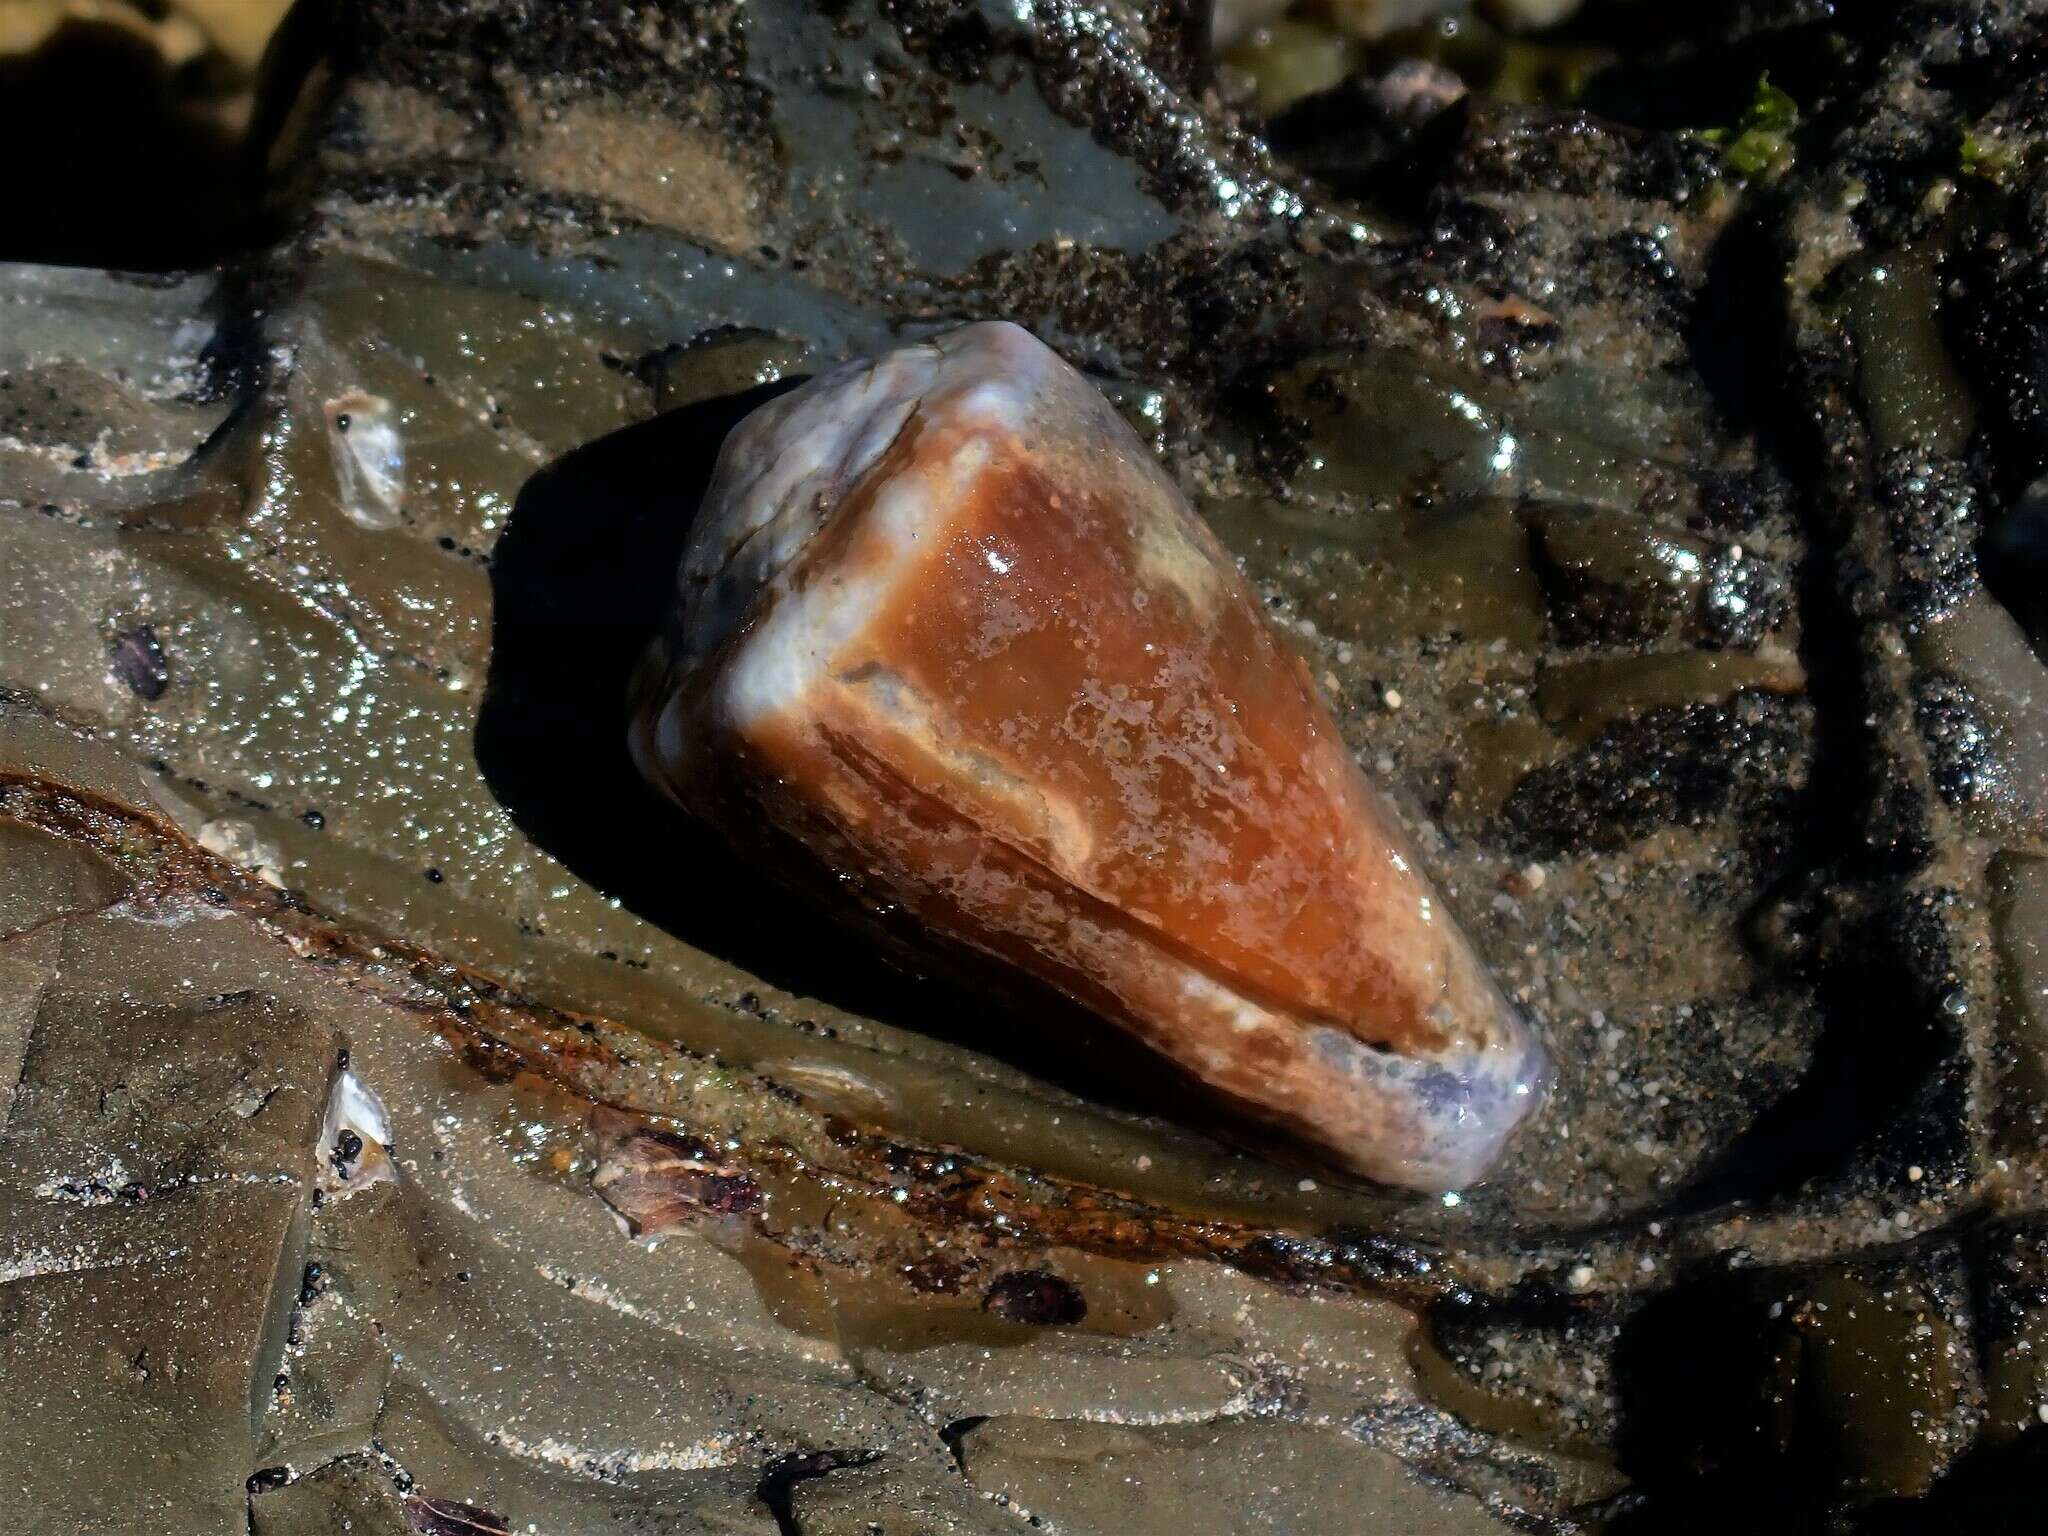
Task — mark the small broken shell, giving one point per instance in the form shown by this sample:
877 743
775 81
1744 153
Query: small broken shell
945 622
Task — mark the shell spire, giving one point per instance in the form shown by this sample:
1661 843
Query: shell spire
944 621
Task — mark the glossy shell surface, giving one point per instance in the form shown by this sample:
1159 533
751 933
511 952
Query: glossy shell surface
945 621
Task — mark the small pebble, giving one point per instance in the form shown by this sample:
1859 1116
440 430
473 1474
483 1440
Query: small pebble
137 658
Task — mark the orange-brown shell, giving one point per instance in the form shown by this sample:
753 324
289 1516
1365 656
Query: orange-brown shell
981 654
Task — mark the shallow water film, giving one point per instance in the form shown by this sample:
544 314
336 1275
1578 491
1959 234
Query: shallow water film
411 1121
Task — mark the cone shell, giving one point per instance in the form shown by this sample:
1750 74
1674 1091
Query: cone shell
945 622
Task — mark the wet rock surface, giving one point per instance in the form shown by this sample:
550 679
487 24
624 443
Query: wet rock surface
1659 511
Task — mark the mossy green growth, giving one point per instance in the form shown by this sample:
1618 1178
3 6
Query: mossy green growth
1991 156
1759 148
